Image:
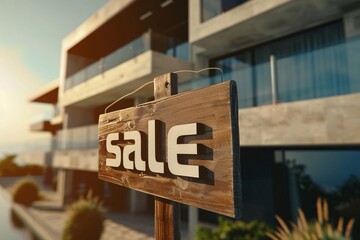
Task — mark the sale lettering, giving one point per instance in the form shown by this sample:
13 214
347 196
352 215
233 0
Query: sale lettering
173 149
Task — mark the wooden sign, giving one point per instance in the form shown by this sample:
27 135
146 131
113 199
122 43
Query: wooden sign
183 147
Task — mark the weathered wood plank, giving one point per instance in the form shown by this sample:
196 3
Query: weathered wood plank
214 110
165 86
167 219
167 213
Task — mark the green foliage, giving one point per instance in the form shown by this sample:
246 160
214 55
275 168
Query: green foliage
321 229
25 192
238 230
84 220
9 168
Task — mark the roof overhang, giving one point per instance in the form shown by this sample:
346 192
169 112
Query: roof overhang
119 22
47 94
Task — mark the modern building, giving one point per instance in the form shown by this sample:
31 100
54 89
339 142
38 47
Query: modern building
296 64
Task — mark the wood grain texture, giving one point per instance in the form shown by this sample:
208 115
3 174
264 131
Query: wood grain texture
165 86
167 219
214 109
167 213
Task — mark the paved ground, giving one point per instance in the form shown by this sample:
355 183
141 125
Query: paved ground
46 218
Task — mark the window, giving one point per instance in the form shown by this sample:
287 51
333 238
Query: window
211 8
333 175
310 64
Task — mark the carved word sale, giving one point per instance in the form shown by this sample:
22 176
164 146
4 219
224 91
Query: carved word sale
155 166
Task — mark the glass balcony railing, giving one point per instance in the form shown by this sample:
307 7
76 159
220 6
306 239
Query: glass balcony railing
199 82
311 65
57 110
147 41
39 145
45 116
77 138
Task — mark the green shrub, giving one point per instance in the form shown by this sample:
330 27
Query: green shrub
25 192
321 229
84 220
9 168
238 230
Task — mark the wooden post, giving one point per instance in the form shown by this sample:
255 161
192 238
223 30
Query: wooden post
167 213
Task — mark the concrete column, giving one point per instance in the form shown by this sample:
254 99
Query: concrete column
48 170
199 61
352 29
138 201
193 221
64 185
294 195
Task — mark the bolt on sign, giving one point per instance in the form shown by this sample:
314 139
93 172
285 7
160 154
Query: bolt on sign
183 148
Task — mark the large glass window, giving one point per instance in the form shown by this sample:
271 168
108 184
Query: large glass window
240 68
211 8
333 175
310 64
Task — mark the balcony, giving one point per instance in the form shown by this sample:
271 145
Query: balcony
36 151
57 118
123 70
47 94
42 123
318 63
47 122
254 22
78 138
323 122
77 148
40 158
41 126
296 96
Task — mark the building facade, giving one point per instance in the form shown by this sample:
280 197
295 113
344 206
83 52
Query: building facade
296 64
41 153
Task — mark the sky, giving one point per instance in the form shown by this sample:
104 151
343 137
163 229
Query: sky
31 33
